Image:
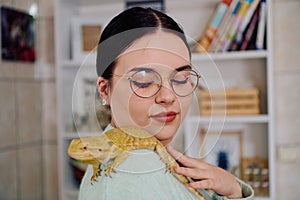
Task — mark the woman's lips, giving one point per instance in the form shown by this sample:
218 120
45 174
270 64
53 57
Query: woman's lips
165 117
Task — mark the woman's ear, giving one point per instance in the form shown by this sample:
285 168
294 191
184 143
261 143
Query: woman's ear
103 89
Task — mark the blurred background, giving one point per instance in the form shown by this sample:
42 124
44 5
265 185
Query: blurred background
28 119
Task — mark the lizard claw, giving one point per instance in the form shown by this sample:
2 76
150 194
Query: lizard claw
169 168
93 179
109 170
108 174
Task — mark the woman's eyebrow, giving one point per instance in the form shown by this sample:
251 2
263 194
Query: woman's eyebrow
135 69
147 69
183 68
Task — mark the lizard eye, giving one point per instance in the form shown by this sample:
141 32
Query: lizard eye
99 149
84 148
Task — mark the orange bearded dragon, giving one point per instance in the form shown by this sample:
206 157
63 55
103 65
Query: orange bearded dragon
116 145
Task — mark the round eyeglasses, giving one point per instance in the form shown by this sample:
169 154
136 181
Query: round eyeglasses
147 82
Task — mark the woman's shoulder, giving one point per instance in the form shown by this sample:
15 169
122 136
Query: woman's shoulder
149 184
141 176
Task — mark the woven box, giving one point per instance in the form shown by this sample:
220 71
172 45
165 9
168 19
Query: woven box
231 102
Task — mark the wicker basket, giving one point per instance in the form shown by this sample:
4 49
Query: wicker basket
237 102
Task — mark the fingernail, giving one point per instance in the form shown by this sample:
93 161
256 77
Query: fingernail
177 169
192 184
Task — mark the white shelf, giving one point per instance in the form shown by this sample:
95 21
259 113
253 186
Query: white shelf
195 57
262 198
71 64
230 55
77 63
239 66
71 135
231 119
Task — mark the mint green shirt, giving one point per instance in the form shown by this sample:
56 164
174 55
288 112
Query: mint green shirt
143 176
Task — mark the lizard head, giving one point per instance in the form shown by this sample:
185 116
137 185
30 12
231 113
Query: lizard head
90 149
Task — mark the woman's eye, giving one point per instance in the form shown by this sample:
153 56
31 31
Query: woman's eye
181 80
142 84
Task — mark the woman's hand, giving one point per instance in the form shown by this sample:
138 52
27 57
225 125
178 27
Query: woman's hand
207 176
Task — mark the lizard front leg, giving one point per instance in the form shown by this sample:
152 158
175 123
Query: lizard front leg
122 155
96 172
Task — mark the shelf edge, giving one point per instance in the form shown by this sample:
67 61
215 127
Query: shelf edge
230 55
232 119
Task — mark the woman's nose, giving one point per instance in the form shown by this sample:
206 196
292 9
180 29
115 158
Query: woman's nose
165 94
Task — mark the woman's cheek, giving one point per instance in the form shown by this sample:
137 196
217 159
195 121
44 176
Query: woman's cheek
139 111
184 103
120 102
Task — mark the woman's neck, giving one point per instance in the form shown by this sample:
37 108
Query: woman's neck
164 142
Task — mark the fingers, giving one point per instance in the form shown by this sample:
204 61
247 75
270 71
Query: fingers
183 159
203 184
189 172
194 168
206 176
173 152
203 181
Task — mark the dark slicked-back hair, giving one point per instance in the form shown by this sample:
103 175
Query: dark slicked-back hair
127 27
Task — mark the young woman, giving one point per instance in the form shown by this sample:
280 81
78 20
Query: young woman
146 77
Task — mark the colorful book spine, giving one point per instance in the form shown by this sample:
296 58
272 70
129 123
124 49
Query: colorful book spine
261 25
222 25
250 31
222 37
237 22
246 21
211 30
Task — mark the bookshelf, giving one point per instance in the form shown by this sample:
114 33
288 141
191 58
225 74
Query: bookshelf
239 69
238 66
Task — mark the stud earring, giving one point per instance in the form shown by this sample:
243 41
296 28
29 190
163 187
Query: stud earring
103 102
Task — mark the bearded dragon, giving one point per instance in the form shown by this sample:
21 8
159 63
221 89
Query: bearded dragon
116 145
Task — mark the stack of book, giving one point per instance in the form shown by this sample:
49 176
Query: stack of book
235 25
231 101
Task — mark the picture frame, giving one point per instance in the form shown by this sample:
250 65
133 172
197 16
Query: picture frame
155 4
86 32
223 149
17 35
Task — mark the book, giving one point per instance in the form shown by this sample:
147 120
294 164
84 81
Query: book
223 25
246 21
230 36
250 32
222 35
211 29
261 25
252 41
241 34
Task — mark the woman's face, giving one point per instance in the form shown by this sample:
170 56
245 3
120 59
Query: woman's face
161 114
